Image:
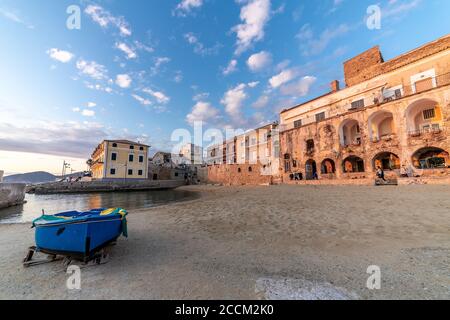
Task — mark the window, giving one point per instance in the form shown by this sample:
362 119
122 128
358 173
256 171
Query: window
131 158
310 145
130 172
112 172
358 104
294 163
140 172
239 170
114 156
131 147
141 148
176 174
297 124
250 169
320 116
429 114
141 159
398 93
114 145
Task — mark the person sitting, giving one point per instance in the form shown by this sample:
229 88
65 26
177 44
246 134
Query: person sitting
380 174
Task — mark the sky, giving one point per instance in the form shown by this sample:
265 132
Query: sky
150 70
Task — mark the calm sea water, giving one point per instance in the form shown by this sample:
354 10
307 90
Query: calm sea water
59 203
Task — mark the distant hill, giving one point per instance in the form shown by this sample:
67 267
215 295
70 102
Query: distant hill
32 177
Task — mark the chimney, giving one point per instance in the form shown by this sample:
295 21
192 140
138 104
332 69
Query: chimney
334 86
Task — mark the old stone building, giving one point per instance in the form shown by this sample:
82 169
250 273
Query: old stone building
249 158
392 114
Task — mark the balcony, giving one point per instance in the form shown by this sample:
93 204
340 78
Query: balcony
425 132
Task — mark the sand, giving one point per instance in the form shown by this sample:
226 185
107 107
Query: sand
277 242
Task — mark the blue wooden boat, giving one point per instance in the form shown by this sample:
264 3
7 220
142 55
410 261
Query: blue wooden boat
79 234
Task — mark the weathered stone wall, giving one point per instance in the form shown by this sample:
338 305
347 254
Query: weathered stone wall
11 194
103 186
238 174
370 64
327 140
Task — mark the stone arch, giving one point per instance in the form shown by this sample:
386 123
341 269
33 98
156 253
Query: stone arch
350 132
431 158
328 166
386 161
381 123
311 169
353 164
423 114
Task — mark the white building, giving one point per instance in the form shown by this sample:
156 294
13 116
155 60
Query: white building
192 153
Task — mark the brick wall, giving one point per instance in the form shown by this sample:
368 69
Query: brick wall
370 64
238 174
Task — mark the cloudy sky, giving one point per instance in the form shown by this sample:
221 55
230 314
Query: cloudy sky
141 69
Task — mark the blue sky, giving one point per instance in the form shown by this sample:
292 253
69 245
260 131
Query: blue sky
141 69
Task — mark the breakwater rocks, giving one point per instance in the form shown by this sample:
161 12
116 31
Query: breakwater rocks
11 194
102 186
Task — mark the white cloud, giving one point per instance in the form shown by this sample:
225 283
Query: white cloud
253 84
91 104
123 80
202 111
159 96
199 47
282 78
131 54
255 15
159 61
88 113
233 99
178 76
60 55
15 18
261 102
92 69
104 19
186 6
232 67
76 109
259 61
311 46
143 101
396 8
201 96
299 88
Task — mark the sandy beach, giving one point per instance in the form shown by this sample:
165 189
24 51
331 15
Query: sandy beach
287 242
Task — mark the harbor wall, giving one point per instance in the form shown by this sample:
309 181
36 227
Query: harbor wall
103 186
11 194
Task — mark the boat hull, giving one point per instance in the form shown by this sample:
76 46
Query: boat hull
80 238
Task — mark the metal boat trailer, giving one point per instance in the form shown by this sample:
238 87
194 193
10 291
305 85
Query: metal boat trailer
100 256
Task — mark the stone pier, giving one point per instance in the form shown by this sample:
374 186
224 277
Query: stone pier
103 186
11 194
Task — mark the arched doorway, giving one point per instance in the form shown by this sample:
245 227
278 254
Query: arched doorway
423 116
328 167
311 170
431 158
350 133
386 161
381 124
353 164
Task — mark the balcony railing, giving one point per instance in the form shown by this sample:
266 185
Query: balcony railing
421 132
